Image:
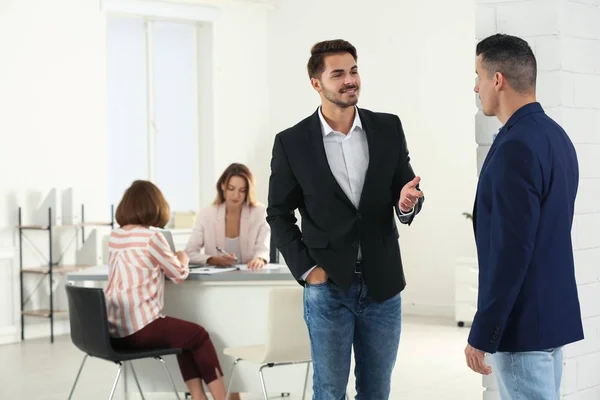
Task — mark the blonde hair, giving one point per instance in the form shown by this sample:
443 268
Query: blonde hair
243 172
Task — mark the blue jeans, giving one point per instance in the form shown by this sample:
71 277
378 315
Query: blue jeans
532 375
336 321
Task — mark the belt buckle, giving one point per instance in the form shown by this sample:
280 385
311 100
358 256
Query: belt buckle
358 267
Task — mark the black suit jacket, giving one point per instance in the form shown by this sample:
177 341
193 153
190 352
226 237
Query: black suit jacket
332 227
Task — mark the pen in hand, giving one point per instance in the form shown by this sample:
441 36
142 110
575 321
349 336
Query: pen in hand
226 260
220 250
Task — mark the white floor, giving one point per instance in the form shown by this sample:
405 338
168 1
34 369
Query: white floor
430 365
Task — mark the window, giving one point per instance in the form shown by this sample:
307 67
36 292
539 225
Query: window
153 109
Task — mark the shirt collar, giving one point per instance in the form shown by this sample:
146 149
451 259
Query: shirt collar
527 109
326 129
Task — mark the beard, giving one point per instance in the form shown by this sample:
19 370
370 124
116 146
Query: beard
337 97
489 107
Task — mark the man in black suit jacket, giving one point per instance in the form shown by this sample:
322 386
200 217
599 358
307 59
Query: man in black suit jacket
345 169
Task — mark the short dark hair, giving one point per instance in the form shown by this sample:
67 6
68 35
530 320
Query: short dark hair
240 170
143 204
316 62
512 57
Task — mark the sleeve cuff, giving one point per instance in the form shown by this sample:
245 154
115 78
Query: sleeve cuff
305 275
485 336
412 210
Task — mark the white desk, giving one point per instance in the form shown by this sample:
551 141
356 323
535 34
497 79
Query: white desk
232 307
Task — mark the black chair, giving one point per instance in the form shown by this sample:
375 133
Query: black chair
89 332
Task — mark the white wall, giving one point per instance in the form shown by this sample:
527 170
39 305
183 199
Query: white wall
241 104
414 63
54 113
52 97
53 102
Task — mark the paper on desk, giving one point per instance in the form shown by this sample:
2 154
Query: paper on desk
243 267
211 270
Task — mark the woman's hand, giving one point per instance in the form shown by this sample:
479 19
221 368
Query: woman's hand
256 263
222 261
183 258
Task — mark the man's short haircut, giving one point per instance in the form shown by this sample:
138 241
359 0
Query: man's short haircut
512 57
316 63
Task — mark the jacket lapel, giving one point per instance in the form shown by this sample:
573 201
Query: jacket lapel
220 227
520 113
371 134
316 140
244 233
488 156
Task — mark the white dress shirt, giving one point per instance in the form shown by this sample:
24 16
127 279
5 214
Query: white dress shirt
348 158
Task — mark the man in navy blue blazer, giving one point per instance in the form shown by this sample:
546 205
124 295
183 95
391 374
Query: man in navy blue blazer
528 306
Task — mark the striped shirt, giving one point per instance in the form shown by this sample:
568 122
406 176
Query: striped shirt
138 259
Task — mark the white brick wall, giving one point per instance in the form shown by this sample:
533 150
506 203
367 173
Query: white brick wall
580 55
583 124
580 19
546 92
588 155
565 36
517 18
545 51
587 265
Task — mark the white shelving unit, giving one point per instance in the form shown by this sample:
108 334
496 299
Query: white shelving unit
52 267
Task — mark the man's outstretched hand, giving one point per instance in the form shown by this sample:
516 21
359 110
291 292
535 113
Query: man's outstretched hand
410 195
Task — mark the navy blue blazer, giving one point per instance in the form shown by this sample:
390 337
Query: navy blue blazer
522 219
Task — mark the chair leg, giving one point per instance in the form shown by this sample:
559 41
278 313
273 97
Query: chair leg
169 375
77 377
112 392
306 380
137 382
262 381
231 378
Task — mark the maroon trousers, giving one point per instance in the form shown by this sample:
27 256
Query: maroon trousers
199 358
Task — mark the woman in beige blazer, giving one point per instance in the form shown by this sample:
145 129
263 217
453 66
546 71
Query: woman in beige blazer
233 230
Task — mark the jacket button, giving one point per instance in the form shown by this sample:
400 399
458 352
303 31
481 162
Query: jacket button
355 244
359 215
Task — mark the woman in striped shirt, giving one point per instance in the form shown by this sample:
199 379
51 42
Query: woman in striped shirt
139 260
